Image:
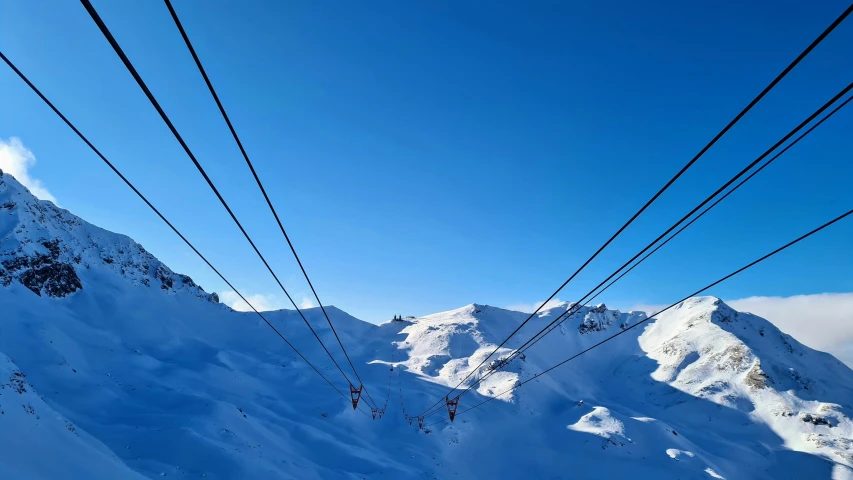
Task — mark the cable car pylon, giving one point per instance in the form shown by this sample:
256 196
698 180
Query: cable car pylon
355 395
451 406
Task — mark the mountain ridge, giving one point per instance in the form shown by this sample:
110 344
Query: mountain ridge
138 373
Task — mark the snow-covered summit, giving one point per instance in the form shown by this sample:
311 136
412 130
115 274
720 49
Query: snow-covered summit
445 347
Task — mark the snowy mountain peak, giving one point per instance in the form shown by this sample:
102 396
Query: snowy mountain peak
738 360
445 347
54 253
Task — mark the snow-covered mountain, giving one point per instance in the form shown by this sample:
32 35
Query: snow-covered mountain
113 366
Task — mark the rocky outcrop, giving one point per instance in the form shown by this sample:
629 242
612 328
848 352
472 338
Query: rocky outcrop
597 319
43 273
756 378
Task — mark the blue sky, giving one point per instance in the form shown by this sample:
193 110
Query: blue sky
426 155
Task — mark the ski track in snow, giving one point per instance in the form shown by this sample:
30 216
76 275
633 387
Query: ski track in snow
114 366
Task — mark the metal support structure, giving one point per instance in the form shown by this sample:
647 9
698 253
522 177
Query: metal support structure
451 406
355 395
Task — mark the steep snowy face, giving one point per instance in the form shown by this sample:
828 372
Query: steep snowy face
36 427
743 362
52 252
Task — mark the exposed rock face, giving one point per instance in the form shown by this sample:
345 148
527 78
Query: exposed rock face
597 319
815 419
43 272
756 378
55 280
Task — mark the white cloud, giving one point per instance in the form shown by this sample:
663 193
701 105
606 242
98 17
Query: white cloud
263 303
530 308
306 303
16 159
823 321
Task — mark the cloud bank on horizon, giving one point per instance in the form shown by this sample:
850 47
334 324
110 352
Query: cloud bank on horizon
823 321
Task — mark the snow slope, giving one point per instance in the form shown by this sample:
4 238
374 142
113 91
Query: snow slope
39 443
113 366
